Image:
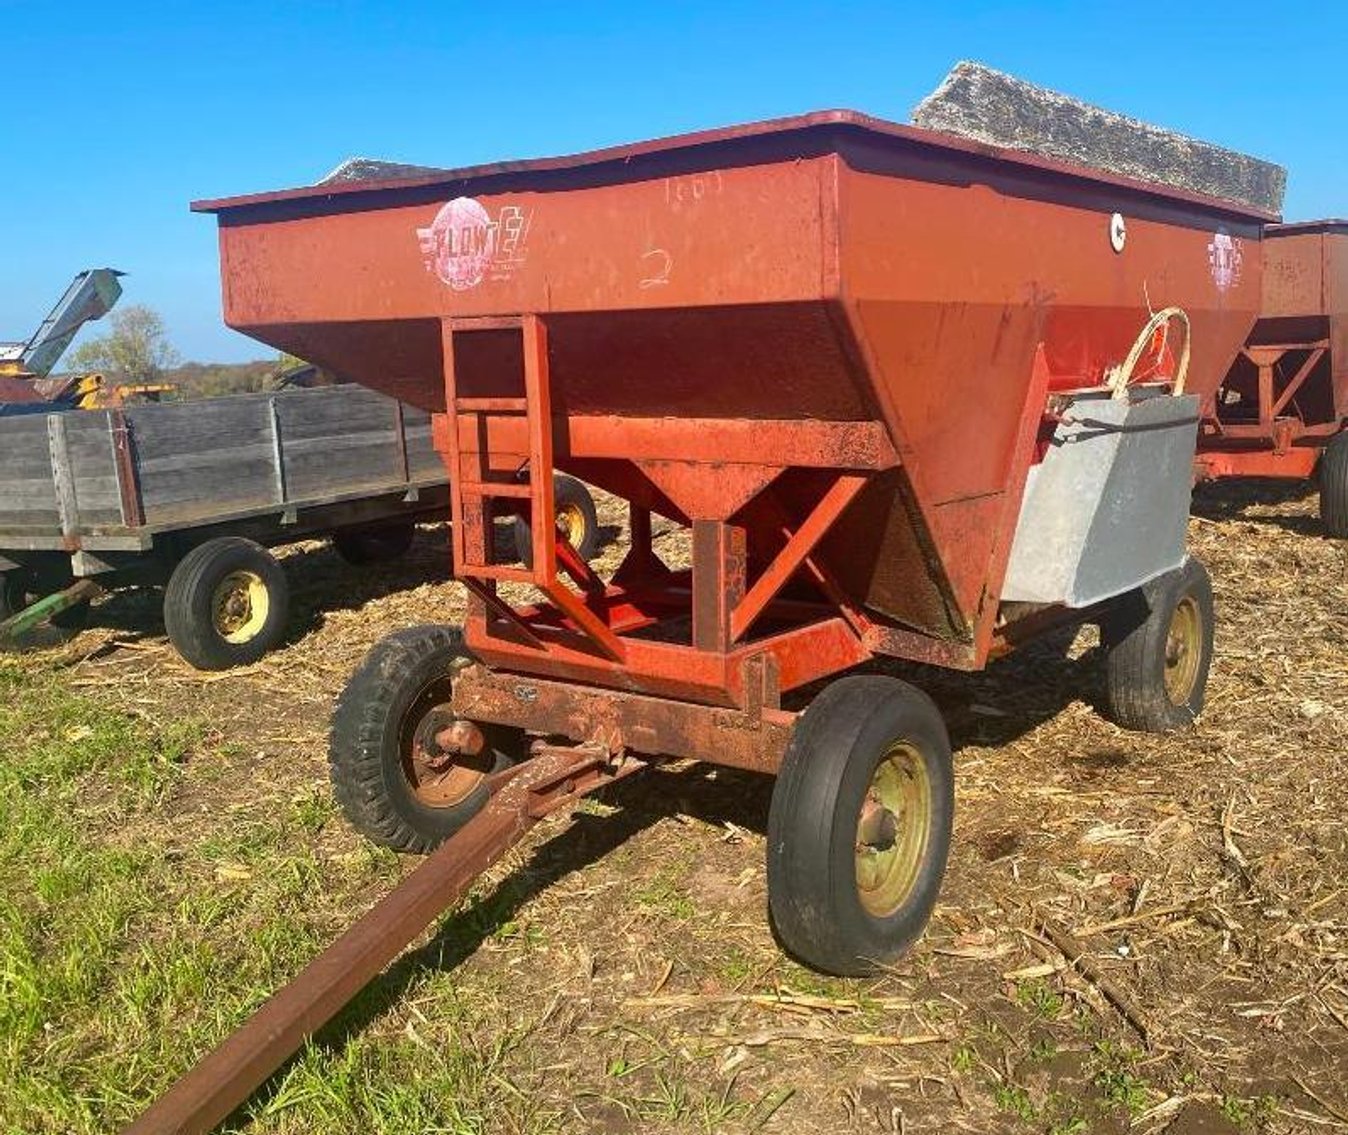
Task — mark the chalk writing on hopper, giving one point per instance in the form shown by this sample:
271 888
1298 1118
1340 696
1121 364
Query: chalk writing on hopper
465 245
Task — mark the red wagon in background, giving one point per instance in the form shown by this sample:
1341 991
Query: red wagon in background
1282 409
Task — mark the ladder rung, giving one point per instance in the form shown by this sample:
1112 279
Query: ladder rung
499 572
492 405
496 489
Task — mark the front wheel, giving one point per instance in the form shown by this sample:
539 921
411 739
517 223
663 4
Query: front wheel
226 604
1333 477
859 826
393 780
1158 651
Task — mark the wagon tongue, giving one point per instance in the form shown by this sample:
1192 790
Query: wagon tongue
984 105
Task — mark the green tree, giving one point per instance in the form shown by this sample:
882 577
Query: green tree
136 348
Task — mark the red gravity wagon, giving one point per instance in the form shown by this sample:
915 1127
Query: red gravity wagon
911 395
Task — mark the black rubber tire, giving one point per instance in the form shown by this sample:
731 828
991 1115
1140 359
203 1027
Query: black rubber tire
1135 639
813 894
1333 478
13 594
567 492
365 749
374 545
17 592
189 598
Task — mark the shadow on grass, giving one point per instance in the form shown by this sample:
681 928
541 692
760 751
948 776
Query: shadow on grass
1033 685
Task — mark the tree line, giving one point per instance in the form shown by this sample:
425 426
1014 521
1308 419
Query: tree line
136 351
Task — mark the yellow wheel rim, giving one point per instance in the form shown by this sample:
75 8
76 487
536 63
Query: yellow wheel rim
1183 650
240 606
893 830
571 522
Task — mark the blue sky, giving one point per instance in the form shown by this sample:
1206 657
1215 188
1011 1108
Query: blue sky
113 116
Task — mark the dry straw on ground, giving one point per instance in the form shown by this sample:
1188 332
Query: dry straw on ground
1136 931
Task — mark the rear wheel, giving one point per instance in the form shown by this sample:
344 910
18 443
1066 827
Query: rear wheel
18 591
577 520
375 544
226 604
1333 477
14 594
1158 651
394 781
859 826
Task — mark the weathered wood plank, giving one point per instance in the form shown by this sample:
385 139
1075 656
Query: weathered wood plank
207 462
215 423
67 506
352 410
95 470
220 486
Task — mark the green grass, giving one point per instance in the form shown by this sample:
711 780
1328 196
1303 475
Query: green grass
1116 1080
663 896
964 1058
137 930
1014 1099
1246 1113
1038 998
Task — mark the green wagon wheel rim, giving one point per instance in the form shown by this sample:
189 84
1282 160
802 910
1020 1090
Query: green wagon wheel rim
240 605
893 830
1183 650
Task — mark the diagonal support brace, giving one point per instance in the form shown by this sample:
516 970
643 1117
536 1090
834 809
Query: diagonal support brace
794 553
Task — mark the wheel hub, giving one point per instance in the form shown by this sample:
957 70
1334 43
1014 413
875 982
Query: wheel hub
240 606
893 830
571 523
1183 650
445 758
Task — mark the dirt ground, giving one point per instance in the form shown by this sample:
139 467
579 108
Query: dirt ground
618 971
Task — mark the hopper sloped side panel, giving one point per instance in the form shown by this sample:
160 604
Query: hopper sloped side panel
953 280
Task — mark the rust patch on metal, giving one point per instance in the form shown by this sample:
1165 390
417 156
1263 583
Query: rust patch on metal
753 738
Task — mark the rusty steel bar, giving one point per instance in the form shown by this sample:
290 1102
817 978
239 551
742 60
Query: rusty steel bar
719 559
1298 380
752 739
1297 463
758 441
538 417
800 544
124 466
453 458
229 1074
